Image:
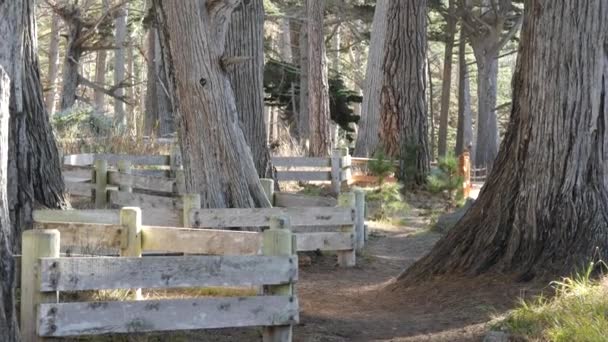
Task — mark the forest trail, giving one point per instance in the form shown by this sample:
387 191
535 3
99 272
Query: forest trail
356 305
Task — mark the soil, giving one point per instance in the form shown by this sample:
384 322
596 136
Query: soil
364 304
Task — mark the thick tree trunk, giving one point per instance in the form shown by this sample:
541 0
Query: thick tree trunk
367 137
464 132
285 48
431 109
245 38
446 88
33 174
403 118
119 66
9 328
53 63
318 87
544 207
487 83
217 160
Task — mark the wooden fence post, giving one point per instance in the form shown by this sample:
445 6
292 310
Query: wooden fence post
101 183
190 201
279 241
180 182
124 166
345 166
130 244
336 171
360 218
37 243
175 160
268 185
348 258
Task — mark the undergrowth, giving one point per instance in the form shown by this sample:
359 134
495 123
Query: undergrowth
577 312
446 179
387 201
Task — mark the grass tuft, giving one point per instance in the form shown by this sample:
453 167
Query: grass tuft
577 312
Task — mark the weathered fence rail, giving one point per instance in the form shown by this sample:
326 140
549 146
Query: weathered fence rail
272 262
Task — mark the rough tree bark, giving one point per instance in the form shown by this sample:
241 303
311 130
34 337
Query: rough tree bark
403 117
367 137
119 65
217 160
464 132
158 114
9 328
53 63
318 87
544 207
32 174
245 47
446 87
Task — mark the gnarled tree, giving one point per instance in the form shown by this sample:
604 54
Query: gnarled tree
544 207
217 160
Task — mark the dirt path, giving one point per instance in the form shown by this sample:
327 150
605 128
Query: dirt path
355 304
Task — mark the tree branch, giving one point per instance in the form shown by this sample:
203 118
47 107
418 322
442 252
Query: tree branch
108 91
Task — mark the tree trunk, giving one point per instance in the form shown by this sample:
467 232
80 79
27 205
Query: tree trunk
9 327
318 88
403 119
71 63
245 38
33 174
100 73
119 66
303 115
100 79
446 88
151 112
544 206
464 132
284 40
217 160
367 137
53 63
487 82
431 109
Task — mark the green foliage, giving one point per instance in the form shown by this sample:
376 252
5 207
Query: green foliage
388 200
380 166
278 80
80 121
446 178
577 312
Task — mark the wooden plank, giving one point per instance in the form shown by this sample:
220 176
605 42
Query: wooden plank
287 200
324 241
77 176
90 158
303 176
82 273
260 217
143 201
78 189
301 162
77 216
363 161
86 234
71 319
201 241
151 173
141 182
160 217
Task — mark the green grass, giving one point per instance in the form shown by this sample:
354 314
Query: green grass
577 312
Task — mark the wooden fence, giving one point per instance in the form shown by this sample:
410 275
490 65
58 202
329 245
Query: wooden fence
340 229
238 259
